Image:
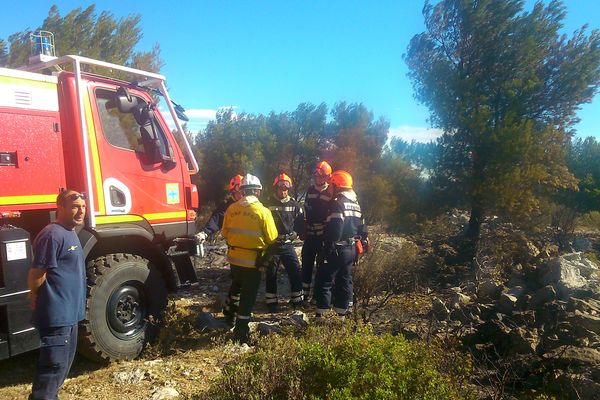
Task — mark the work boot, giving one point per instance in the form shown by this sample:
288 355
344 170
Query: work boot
296 305
319 319
241 332
230 320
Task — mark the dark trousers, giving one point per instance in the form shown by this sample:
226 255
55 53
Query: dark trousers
232 302
286 255
244 281
57 351
335 273
312 246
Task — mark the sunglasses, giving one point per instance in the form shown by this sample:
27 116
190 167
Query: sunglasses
283 185
76 196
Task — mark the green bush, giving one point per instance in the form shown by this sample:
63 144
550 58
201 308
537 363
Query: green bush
589 221
343 364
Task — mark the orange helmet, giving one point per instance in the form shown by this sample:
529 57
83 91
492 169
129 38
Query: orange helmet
235 182
283 180
341 179
323 169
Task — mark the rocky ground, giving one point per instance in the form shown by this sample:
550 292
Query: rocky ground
529 316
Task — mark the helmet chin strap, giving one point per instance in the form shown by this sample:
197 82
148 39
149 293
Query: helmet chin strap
321 187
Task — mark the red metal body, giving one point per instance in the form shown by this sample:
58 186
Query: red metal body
39 168
50 156
106 138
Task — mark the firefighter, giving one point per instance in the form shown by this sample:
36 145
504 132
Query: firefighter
289 219
57 290
215 222
316 206
344 227
248 228
213 225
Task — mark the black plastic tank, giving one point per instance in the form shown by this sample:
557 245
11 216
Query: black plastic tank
17 334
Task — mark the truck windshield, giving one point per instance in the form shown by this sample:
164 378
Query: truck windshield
121 129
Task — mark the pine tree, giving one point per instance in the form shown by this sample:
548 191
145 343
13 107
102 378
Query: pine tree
504 87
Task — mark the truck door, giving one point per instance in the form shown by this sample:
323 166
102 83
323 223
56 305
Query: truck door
141 167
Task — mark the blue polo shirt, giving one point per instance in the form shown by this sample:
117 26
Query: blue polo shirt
61 298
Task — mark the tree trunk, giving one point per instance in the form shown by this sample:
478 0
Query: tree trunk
474 228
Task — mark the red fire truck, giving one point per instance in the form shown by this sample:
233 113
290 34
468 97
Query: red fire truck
62 126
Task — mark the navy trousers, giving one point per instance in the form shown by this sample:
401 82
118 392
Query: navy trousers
312 246
57 351
286 255
335 275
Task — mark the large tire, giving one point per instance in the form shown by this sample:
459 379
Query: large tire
125 292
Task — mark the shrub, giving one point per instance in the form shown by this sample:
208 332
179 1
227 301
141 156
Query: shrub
342 364
387 269
589 221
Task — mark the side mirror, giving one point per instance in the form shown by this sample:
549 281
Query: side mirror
125 101
168 163
180 112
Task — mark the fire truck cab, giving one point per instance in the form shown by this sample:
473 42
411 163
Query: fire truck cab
81 128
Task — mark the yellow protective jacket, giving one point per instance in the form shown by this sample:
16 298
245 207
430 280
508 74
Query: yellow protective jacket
248 228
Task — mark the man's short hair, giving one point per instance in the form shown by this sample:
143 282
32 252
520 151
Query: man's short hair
68 195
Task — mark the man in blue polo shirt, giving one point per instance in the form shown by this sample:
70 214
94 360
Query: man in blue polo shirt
57 287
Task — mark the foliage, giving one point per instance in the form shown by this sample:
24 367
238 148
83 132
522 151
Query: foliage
293 142
83 32
389 268
504 87
265 146
177 331
232 144
343 364
299 138
589 221
3 53
421 155
388 186
583 159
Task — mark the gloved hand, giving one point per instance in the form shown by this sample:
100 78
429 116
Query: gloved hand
201 237
263 260
365 244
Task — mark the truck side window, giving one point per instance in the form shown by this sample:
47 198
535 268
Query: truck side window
121 129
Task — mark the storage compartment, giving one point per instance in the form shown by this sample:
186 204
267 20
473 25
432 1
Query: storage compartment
32 159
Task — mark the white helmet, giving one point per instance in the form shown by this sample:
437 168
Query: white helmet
250 182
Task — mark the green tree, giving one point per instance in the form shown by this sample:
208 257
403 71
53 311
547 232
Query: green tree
3 53
583 159
355 144
83 32
504 87
422 155
232 144
388 186
299 138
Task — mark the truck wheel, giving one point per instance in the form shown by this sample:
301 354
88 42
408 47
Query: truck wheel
125 292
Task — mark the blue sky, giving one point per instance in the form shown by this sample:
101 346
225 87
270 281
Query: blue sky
265 55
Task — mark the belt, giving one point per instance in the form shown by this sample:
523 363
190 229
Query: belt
345 242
